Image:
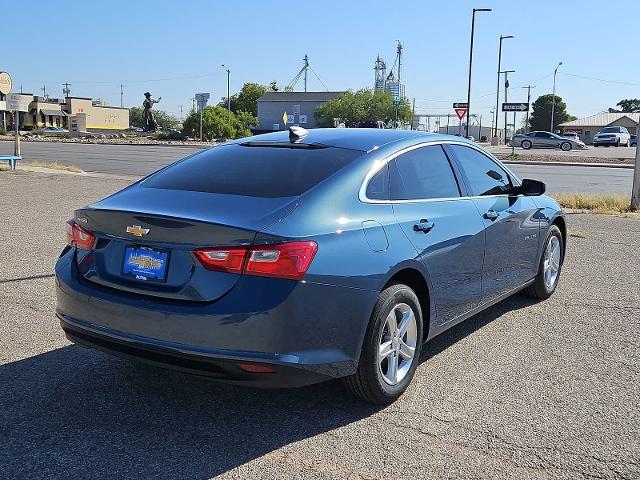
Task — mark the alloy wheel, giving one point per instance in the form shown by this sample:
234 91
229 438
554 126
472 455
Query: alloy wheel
397 343
551 262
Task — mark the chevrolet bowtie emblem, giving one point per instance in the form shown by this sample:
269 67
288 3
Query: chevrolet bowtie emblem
137 230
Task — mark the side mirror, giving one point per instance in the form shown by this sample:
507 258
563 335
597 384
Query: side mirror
532 188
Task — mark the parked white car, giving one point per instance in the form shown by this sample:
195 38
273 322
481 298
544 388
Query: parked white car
618 136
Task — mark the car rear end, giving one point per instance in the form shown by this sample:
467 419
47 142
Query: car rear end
182 270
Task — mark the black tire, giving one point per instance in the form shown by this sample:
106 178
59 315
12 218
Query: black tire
539 289
367 382
526 144
564 145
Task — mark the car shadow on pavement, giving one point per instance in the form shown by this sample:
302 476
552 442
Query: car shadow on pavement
79 413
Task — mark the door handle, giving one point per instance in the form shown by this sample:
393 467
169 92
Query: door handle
491 215
423 226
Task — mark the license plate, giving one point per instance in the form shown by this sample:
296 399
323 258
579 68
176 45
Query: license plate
145 263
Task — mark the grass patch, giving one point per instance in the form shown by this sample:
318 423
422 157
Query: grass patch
56 166
595 202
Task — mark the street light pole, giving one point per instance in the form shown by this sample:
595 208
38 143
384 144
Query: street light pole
473 24
228 93
553 100
502 37
635 190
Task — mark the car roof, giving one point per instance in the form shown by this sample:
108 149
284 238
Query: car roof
364 139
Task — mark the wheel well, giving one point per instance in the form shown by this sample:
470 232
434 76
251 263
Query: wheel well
562 225
413 279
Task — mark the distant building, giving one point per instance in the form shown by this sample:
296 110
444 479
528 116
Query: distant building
94 115
299 107
587 127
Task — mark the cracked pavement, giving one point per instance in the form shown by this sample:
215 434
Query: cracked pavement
524 390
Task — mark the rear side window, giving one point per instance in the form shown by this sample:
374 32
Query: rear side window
485 176
422 173
254 171
378 187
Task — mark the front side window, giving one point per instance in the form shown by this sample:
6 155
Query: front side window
485 176
423 173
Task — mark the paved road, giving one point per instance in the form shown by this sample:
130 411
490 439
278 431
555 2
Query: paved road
142 160
522 391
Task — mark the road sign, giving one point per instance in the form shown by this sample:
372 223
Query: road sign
461 112
460 105
5 83
285 118
515 107
202 99
18 103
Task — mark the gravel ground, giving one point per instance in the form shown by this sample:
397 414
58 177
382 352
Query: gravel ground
522 391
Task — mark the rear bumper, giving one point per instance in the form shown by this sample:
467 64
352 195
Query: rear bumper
307 332
216 365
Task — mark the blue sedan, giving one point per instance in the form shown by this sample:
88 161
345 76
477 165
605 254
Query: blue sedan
295 257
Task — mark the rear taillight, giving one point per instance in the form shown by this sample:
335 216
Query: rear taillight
286 260
78 236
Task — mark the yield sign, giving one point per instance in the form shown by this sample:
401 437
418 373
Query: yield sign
461 112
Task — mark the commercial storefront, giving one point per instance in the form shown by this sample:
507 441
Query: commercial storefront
46 111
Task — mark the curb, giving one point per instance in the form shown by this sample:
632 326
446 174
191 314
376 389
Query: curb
568 164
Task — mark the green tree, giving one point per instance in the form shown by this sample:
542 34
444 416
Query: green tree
364 105
163 119
246 121
135 117
217 122
628 105
540 118
247 99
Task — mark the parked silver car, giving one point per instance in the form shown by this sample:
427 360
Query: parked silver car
546 140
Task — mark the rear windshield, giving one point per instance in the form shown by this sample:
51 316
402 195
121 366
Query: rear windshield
253 171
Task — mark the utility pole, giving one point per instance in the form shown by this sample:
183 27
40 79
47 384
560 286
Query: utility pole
181 115
228 87
506 99
66 91
306 67
553 101
473 25
121 96
399 64
413 113
44 91
526 123
502 37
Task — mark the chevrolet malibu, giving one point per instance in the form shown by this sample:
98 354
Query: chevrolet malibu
295 257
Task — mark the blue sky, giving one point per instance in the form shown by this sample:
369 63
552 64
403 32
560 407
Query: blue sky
175 49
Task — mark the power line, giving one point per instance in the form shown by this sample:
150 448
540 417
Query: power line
601 79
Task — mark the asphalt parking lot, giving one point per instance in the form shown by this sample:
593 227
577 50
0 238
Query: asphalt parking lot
524 390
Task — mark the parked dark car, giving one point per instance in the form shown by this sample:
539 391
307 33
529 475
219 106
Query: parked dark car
633 141
291 258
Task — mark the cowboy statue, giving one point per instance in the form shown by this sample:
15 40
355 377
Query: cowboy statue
148 121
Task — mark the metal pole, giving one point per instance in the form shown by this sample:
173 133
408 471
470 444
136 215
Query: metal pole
121 97
513 144
306 65
228 89
506 99
497 111
553 100
447 124
480 128
17 146
201 139
473 26
635 190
